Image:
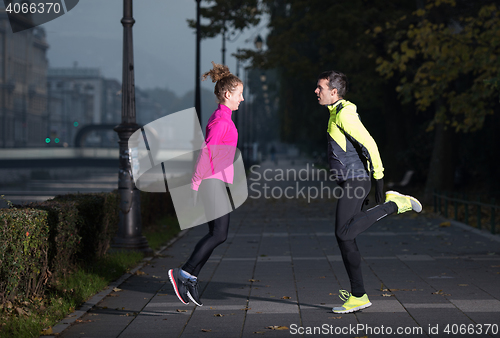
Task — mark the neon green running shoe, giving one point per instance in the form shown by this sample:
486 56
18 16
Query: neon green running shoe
404 202
352 303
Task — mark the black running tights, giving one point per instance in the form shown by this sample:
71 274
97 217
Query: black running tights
211 189
351 221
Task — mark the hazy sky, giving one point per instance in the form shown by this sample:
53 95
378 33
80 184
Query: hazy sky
164 46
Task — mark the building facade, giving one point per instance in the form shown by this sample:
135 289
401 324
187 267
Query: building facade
23 84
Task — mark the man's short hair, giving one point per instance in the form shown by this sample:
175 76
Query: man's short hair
335 80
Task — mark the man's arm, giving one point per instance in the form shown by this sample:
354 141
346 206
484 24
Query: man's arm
348 120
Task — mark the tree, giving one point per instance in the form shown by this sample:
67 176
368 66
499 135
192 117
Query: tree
227 15
445 57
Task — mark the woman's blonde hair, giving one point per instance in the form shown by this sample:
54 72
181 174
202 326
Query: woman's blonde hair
225 81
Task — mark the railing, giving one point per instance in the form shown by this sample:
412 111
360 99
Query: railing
442 200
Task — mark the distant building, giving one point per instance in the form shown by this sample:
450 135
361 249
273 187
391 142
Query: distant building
79 97
74 101
23 84
146 109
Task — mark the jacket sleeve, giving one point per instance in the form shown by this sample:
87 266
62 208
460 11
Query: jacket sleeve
348 120
208 159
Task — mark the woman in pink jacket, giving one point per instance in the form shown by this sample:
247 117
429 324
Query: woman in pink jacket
214 167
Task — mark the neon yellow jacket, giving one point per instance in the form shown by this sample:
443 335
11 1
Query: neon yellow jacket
352 152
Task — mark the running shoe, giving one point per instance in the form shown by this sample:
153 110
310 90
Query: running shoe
404 202
193 294
179 283
352 303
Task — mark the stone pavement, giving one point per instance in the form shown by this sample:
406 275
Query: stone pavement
280 271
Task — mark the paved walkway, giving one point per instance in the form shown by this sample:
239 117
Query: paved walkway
279 273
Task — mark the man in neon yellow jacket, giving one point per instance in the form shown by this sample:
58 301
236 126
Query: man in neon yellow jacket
354 158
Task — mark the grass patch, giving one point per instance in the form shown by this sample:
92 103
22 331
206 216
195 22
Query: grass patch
29 317
161 232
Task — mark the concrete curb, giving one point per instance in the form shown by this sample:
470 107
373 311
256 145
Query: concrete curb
466 227
82 310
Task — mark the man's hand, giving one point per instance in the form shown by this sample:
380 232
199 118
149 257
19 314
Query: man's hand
379 191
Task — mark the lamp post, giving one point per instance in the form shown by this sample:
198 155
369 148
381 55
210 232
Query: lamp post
197 99
129 236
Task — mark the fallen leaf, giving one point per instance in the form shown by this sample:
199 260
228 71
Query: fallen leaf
335 317
218 315
164 318
206 330
322 277
20 311
445 224
275 327
253 280
259 332
83 321
163 294
46 331
179 310
117 289
463 284
286 297
387 295
247 308
139 272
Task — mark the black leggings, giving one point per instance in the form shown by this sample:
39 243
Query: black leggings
351 221
217 228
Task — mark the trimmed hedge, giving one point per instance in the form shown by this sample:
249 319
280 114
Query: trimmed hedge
40 242
24 246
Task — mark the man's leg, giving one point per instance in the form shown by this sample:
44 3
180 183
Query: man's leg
351 221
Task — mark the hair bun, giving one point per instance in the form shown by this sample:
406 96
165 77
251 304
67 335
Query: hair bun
217 72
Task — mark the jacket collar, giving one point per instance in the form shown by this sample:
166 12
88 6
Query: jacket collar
225 110
336 107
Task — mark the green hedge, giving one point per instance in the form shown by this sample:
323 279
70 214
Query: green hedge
24 246
43 241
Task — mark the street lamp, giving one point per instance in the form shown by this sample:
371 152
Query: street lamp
197 100
129 236
258 42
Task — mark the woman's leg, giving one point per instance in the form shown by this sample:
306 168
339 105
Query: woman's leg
217 234
211 191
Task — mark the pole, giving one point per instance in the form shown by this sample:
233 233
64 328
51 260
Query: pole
129 236
224 43
236 116
197 100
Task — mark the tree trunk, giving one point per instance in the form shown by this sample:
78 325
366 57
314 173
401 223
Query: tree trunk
442 166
